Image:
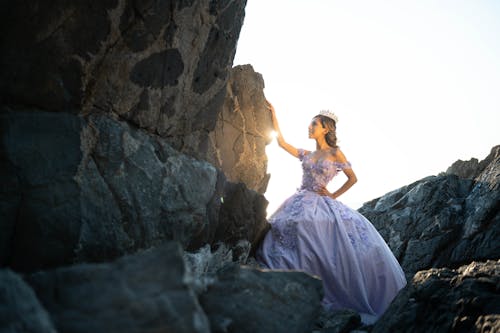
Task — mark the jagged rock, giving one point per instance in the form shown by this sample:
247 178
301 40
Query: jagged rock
244 299
340 321
20 310
243 130
83 183
145 292
161 65
242 216
444 300
445 220
94 188
204 264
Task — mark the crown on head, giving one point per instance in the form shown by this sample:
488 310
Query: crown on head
329 114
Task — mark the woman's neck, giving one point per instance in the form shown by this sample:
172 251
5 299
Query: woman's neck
321 144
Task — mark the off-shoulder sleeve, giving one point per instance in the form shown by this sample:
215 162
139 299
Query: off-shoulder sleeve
302 153
342 166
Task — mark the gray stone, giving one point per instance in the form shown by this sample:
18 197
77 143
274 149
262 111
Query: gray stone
145 292
444 300
443 221
249 300
90 189
161 65
340 321
20 310
242 216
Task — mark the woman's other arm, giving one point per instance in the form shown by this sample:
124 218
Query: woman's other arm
351 176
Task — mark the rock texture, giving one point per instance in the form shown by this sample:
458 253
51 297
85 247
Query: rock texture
444 300
20 310
245 299
248 300
145 292
160 290
443 221
121 190
243 130
105 124
161 65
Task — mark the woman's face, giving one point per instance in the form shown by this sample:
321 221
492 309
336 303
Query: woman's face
316 129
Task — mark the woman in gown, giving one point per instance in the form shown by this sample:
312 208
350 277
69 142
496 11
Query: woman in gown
315 233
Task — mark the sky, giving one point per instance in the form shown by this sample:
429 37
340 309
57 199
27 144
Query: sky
415 84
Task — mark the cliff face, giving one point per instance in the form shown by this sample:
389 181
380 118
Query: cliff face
123 126
160 65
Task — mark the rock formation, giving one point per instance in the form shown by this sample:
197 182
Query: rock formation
20 309
145 292
466 299
97 120
161 65
243 130
443 221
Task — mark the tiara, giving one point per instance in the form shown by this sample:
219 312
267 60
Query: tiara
329 114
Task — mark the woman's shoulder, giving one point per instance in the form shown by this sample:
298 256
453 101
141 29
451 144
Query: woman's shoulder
338 154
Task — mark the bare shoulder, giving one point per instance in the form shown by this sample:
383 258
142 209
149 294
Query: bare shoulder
339 156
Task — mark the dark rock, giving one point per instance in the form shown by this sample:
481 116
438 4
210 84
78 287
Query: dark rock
144 292
43 155
145 73
443 221
20 310
242 215
110 56
444 300
92 189
249 300
341 321
220 44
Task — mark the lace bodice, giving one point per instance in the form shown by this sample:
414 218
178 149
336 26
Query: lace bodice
318 173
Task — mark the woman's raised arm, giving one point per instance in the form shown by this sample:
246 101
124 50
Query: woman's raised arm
281 141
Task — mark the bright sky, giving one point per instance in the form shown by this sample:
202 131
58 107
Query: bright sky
415 84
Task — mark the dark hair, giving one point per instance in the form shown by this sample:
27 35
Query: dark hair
331 135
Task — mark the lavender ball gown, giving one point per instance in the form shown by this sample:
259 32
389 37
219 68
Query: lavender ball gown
323 237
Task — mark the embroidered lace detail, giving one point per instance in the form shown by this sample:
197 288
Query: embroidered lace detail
356 227
315 176
302 153
284 230
318 174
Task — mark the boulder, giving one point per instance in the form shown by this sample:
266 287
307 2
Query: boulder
244 299
247 299
466 299
443 221
145 292
90 189
20 310
339 321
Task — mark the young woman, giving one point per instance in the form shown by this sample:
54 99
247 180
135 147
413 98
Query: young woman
315 233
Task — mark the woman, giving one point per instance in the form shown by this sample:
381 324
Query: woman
313 232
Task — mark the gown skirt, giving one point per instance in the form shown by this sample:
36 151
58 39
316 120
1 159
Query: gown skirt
324 237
